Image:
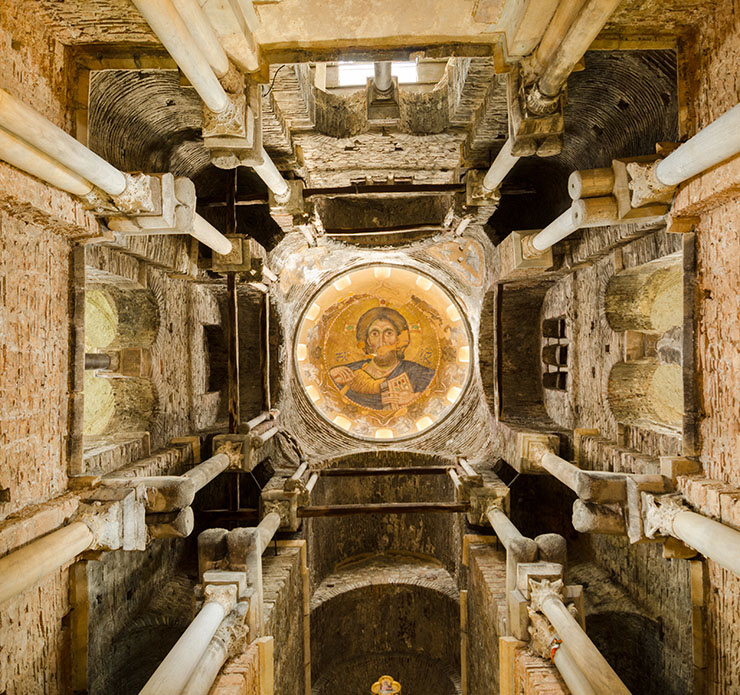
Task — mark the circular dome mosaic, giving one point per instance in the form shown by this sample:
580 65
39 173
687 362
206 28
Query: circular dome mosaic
383 352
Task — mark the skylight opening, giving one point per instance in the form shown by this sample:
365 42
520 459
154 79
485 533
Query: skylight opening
357 74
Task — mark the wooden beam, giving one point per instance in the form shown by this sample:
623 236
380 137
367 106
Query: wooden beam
383 508
265 357
232 315
407 470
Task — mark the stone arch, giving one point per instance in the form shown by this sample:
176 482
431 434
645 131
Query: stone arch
117 404
637 654
393 614
436 535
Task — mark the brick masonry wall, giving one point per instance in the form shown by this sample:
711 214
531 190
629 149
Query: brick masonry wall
34 357
486 596
283 600
712 86
432 535
34 639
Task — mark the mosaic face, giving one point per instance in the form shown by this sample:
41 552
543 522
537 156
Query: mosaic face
383 352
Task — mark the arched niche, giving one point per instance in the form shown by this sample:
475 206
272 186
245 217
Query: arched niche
115 405
648 394
119 317
639 653
435 535
646 298
391 614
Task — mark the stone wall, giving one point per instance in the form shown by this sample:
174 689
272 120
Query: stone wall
486 611
434 535
712 86
283 601
34 355
390 614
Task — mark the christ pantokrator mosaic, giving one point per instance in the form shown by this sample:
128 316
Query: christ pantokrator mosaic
383 352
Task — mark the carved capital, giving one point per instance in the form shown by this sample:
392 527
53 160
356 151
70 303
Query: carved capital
99 202
645 186
531 447
541 591
659 512
234 631
541 634
281 507
528 249
476 194
482 497
116 517
223 594
232 122
233 450
140 197
537 103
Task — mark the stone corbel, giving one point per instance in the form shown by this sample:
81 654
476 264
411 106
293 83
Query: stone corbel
174 212
482 497
116 517
285 504
536 121
475 193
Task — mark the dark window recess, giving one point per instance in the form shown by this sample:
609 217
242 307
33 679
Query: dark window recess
554 354
217 357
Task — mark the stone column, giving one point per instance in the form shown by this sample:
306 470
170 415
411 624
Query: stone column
666 515
547 599
174 672
24 567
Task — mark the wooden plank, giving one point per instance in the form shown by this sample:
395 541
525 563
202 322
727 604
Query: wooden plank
232 315
691 397
464 642
79 624
507 649
75 463
699 583
232 318
267 396
266 646
383 508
